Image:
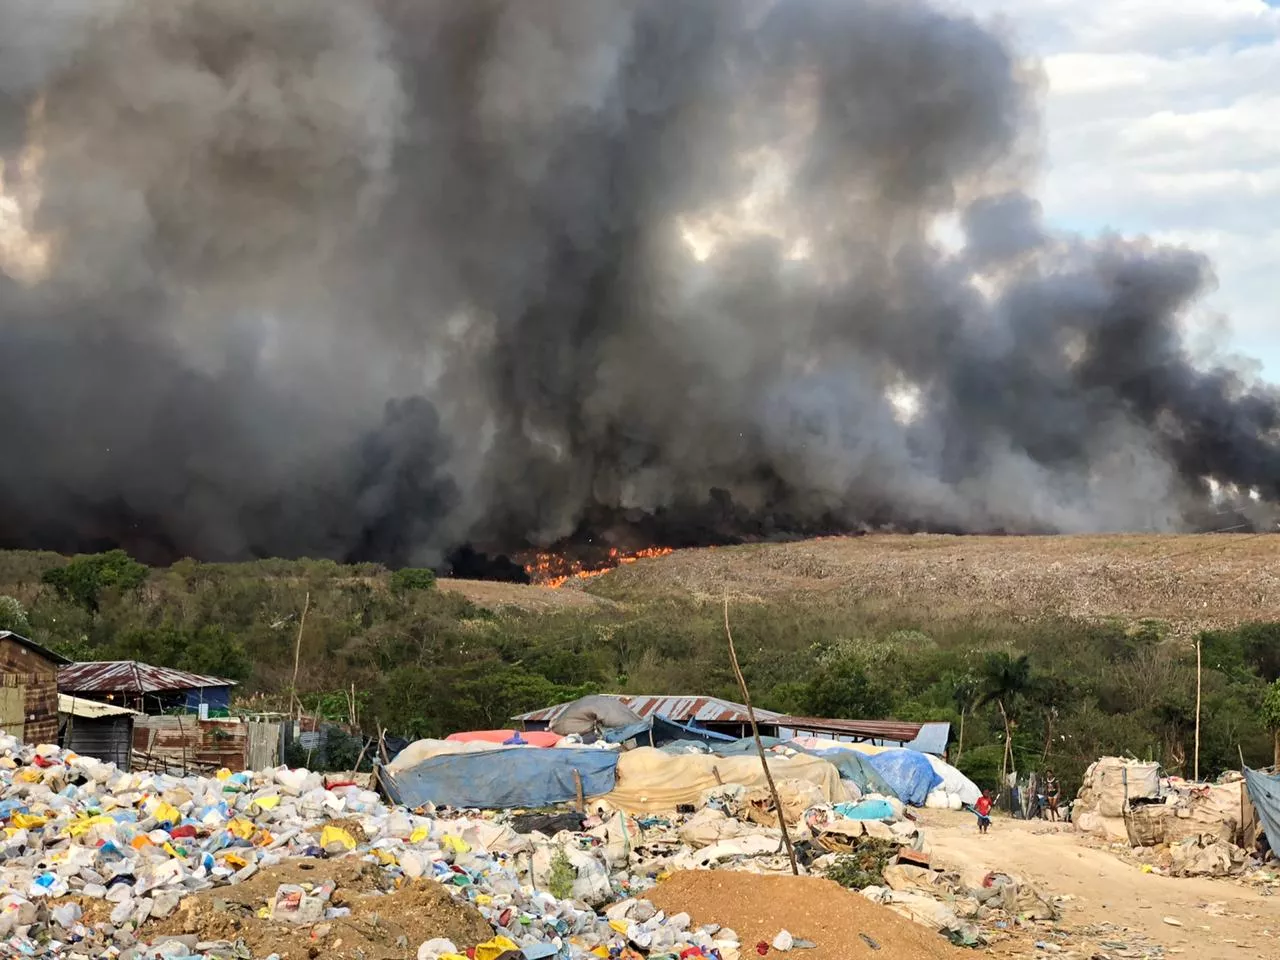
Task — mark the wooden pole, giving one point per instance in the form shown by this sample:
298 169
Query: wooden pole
755 733
1197 761
297 650
582 800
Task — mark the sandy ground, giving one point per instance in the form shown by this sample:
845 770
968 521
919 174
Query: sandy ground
1221 919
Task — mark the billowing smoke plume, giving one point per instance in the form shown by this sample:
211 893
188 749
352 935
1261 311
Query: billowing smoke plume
374 278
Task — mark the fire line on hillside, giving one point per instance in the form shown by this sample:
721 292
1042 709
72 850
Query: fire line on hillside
554 570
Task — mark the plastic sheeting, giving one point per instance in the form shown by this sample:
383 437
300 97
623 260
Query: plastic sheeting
910 774
594 714
658 731
651 781
955 783
873 809
534 738
1264 794
501 779
857 767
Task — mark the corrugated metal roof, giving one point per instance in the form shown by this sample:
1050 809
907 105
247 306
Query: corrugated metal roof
34 647
130 676
90 709
932 738
870 729
684 709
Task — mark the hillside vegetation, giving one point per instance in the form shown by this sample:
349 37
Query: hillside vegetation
1087 643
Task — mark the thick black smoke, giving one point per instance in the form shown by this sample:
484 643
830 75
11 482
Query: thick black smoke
374 278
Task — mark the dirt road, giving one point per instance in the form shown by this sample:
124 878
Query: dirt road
1112 901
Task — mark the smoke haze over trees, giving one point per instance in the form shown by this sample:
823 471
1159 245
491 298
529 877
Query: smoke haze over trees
373 278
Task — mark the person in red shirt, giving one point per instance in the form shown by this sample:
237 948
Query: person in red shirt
983 807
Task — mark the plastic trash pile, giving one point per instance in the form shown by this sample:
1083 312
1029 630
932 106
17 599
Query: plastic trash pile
98 863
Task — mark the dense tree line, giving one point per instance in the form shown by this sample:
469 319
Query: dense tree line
425 662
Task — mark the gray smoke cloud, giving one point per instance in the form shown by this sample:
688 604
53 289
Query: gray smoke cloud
374 278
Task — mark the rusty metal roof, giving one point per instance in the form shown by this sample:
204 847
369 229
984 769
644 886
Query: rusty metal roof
34 647
683 709
130 676
869 729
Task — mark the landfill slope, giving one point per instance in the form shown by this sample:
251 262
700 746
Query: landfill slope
1191 582
758 907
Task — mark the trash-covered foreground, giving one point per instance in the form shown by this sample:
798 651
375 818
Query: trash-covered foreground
99 863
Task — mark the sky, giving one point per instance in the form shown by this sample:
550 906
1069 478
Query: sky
1162 117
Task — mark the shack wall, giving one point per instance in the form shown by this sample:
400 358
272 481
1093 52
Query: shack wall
189 744
37 676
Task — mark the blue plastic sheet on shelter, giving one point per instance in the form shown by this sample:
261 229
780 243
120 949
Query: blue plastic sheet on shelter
657 731
858 768
910 774
502 779
1264 794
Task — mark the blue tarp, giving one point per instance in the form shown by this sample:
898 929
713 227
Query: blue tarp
909 774
1264 794
502 779
857 767
866 810
658 730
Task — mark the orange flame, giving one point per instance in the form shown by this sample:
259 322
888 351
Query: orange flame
555 570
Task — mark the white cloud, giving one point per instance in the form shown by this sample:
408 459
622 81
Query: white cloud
1163 117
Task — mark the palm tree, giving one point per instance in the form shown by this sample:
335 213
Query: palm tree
964 691
1006 680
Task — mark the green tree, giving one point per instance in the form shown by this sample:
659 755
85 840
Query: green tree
1006 681
1270 716
411 579
85 578
13 617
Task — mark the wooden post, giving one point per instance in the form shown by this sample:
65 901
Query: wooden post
297 650
582 800
1197 761
755 733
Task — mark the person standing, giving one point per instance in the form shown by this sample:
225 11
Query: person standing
983 808
1052 794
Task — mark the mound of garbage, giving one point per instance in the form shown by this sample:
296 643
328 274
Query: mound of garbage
100 863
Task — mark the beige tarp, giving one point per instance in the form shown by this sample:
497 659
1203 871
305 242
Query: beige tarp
422 750
650 781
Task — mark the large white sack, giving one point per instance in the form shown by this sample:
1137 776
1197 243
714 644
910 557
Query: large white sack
953 781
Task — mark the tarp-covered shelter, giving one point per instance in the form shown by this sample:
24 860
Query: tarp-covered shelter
651 781
533 738
594 715
658 731
600 713
502 778
1264 794
859 769
910 774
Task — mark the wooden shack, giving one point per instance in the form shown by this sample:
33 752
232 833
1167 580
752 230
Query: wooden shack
28 689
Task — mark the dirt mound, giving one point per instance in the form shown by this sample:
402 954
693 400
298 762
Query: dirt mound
758 907
383 924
